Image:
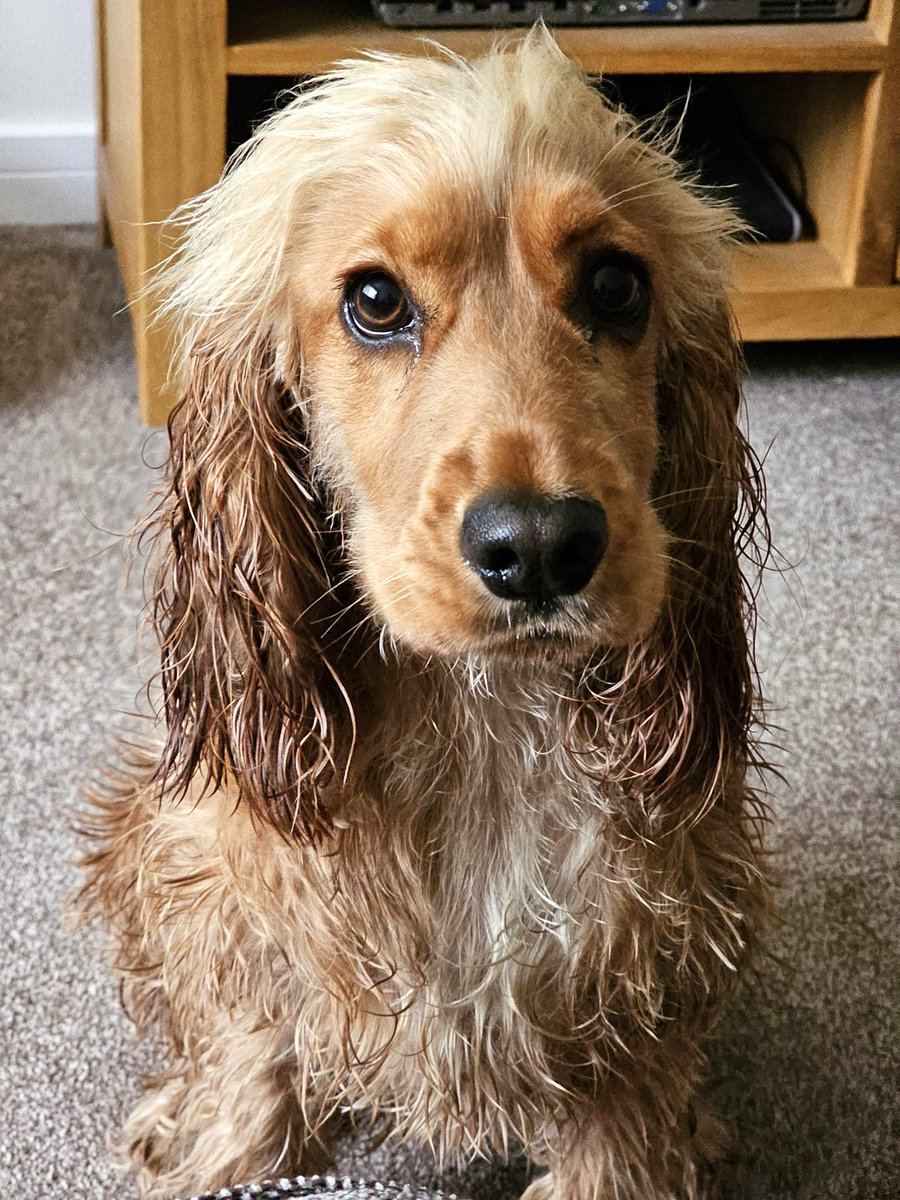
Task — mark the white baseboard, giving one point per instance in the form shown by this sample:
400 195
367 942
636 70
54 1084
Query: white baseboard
48 174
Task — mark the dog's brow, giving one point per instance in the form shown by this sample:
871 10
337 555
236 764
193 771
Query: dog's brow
583 225
555 218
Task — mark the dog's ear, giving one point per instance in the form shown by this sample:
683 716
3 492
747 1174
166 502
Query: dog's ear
709 493
682 703
244 603
247 599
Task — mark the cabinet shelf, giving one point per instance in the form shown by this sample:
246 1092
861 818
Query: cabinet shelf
798 291
284 38
762 268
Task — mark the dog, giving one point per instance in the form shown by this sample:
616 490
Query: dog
453 820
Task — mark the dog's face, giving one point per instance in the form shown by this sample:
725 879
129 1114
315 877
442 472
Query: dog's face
470 311
480 339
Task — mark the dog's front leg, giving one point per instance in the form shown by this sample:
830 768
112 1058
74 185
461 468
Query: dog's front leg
227 1114
625 1151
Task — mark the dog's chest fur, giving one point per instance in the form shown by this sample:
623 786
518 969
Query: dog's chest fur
504 825
486 925
496 923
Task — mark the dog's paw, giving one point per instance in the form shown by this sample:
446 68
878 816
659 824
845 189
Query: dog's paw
148 1141
542 1188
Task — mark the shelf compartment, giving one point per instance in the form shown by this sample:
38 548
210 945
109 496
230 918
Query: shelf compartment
822 120
285 38
796 291
770 267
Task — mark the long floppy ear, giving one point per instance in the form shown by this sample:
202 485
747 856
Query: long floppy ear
244 599
247 596
683 703
710 494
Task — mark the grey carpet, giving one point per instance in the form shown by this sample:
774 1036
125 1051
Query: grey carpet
806 1069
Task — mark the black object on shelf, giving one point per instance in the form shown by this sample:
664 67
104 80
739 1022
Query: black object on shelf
442 14
715 143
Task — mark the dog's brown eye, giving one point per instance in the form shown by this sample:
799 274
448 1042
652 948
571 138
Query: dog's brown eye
377 305
614 289
615 296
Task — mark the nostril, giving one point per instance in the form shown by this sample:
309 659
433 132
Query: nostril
497 541
575 557
499 559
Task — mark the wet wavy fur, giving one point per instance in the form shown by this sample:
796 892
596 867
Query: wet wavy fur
489 898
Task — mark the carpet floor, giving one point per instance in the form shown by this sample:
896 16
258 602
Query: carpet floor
806 1068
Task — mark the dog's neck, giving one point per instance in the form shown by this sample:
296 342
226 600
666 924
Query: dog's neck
478 798
447 704
472 732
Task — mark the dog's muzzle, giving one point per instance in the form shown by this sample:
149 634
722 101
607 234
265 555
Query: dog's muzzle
533 548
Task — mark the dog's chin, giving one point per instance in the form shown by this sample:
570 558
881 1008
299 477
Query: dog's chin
564 631
527 635
535 645
532 640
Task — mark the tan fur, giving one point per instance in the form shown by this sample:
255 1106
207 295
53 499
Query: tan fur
489 880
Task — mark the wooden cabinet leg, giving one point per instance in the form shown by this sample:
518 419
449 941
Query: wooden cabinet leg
163 111
151 350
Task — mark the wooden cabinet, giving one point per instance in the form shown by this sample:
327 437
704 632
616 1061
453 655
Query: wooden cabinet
832 90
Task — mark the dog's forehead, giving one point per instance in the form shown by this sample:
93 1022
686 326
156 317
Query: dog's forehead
438 223
455 223
441 198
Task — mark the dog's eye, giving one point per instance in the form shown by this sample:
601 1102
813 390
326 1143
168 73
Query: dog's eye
377 306
615 296
614 290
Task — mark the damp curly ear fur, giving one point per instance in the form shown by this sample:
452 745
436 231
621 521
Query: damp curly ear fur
447 821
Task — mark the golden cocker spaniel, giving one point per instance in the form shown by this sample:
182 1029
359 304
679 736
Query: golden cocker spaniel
450 821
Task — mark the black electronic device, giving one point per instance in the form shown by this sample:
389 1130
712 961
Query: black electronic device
716 146
437 14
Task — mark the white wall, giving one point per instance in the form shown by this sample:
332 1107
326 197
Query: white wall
47 119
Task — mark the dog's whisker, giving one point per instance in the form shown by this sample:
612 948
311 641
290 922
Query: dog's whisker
636 191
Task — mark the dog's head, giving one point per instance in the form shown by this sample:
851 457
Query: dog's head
456 360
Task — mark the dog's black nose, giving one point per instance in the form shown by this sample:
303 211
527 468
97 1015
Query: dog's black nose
528 547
